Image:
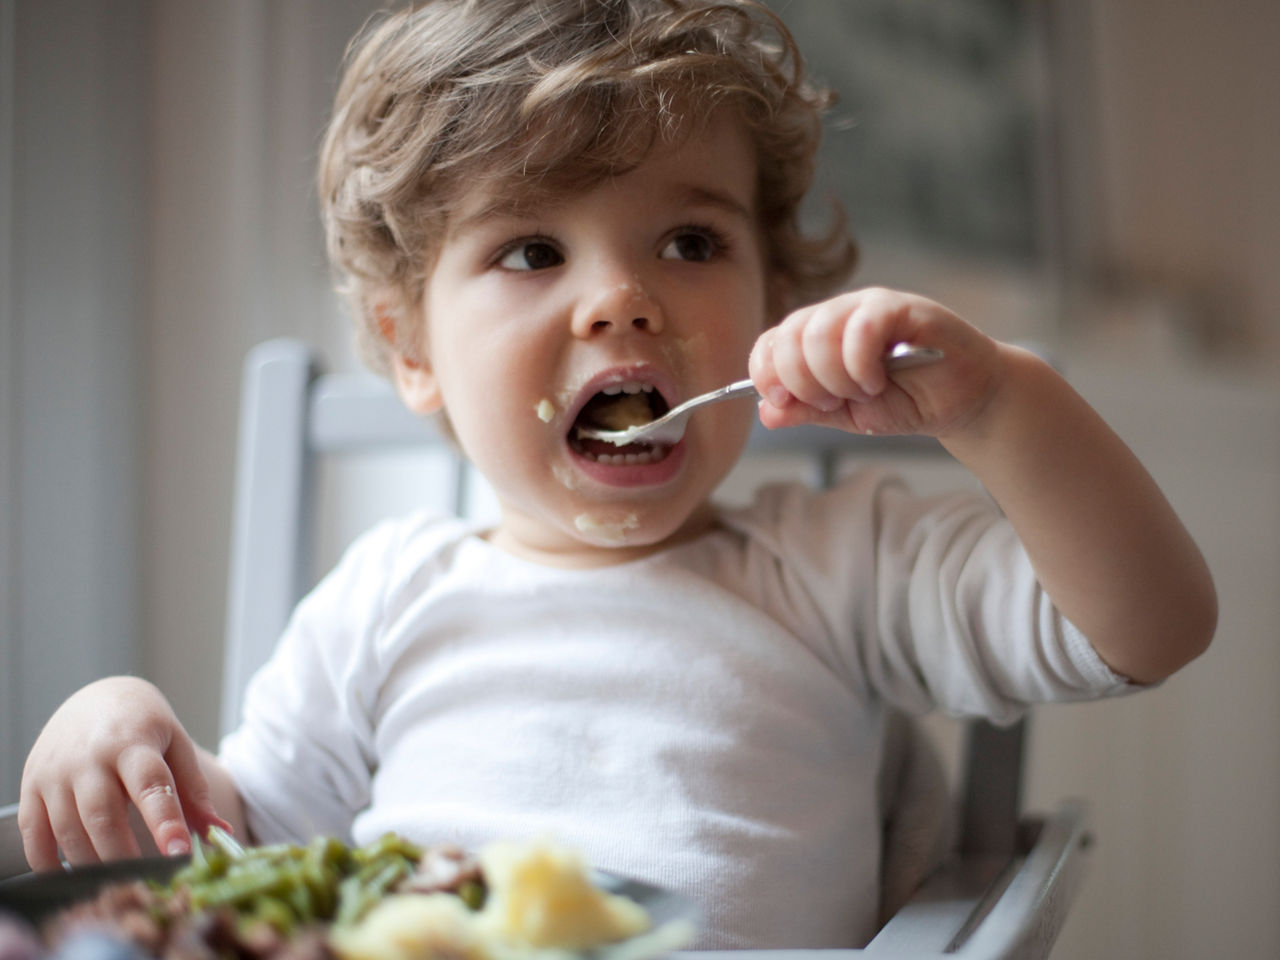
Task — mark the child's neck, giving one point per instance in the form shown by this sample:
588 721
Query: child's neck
578 553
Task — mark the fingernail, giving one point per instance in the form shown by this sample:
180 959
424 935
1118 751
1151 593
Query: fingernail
778 396
177 848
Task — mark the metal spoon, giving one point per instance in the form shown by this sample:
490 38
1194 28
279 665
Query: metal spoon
669 427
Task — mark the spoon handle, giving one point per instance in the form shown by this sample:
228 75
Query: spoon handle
903 356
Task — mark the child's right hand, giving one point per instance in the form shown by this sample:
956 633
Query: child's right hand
115 742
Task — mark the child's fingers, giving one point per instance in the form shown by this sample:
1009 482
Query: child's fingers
193 787
822 345
794 370
104 811
147 778
69 831
863 345
39 845
764 373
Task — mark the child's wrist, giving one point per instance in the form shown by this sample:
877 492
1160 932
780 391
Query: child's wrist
1014 401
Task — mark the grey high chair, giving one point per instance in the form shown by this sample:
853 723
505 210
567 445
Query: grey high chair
1003 893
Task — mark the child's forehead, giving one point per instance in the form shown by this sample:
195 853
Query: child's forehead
715 164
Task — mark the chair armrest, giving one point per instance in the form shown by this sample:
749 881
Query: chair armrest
13 861
1029 915
995 907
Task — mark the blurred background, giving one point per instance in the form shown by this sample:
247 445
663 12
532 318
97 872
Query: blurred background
1101 179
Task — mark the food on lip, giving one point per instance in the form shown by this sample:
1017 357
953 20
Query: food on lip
390 900
545 410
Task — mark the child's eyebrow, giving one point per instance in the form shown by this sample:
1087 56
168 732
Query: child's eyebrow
684 194
699 195
478 217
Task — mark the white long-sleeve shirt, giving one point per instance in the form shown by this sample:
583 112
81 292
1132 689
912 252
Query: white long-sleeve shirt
708 719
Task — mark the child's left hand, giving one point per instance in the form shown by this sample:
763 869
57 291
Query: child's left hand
824 364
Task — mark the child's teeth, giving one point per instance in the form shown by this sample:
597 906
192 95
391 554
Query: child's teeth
631 387
626 459
611 391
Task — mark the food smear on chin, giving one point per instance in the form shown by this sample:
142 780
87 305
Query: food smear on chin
608 531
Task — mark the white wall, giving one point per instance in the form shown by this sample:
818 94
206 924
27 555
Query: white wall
242 89
72 265
1184 781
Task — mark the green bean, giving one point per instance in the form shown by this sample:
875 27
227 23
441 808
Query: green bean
287 886
472 893
273 913
240 887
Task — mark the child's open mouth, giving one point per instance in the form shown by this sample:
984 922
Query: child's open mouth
617 407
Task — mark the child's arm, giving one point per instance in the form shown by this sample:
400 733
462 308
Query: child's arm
114 743
1104 542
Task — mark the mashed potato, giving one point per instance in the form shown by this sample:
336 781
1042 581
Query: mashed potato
627 410
541 903
542 896
413 927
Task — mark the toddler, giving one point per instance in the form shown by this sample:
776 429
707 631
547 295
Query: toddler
553 214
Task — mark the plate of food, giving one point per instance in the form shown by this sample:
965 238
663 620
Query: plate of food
389 900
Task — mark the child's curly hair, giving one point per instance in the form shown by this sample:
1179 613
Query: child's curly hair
530 97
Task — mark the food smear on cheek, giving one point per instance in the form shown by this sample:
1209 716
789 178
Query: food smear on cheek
567 478
546 410
606 531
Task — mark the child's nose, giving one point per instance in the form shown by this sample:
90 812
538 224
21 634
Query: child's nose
618 307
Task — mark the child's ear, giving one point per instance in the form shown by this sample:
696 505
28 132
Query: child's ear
416 383
414 378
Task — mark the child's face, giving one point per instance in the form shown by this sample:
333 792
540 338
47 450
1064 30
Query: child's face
652 280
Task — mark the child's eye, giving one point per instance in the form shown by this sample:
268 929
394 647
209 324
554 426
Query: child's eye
696 244
531 255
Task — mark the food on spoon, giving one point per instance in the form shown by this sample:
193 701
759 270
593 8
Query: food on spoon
625 410
622 405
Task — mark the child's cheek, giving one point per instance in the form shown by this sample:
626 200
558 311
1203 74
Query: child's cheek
566 477
682 353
